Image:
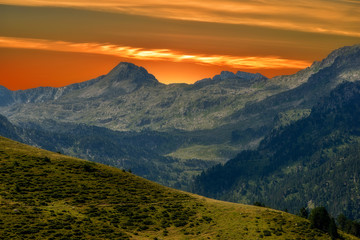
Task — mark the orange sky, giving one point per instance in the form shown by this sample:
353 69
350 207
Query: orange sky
56 43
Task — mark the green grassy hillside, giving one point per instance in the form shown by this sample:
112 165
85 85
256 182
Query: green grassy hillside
44 195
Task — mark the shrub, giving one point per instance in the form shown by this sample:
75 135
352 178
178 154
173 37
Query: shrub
320 219
88 167
304 213
259 204
267 233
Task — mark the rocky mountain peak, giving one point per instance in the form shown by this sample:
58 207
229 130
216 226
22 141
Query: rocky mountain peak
122 79
125 71
240 76
224 75
250 76
345 60
343 52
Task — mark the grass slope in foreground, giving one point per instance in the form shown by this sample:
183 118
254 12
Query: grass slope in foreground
44 195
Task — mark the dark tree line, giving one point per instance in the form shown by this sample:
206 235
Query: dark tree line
348 225
322 220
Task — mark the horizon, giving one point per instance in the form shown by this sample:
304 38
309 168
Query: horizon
58 43
169 83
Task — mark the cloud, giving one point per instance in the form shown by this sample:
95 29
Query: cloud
337 17
243 62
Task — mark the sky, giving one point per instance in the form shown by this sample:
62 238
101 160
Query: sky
56 43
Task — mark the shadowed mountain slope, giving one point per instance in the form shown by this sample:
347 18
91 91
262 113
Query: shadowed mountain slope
313 161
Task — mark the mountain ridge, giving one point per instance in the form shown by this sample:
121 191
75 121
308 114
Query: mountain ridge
140 76
301 76
230 76
312 161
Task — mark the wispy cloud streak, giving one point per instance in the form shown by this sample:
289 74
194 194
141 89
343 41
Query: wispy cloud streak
243 62
338 17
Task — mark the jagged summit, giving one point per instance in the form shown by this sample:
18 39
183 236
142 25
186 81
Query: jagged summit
224 75
345 60
122 79
243 75
340 52
250 76
125 67
239 76
129 71
344 51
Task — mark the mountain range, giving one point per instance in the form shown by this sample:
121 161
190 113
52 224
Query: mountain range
171 133
238 108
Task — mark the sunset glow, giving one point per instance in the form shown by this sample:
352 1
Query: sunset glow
152 54
193 38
